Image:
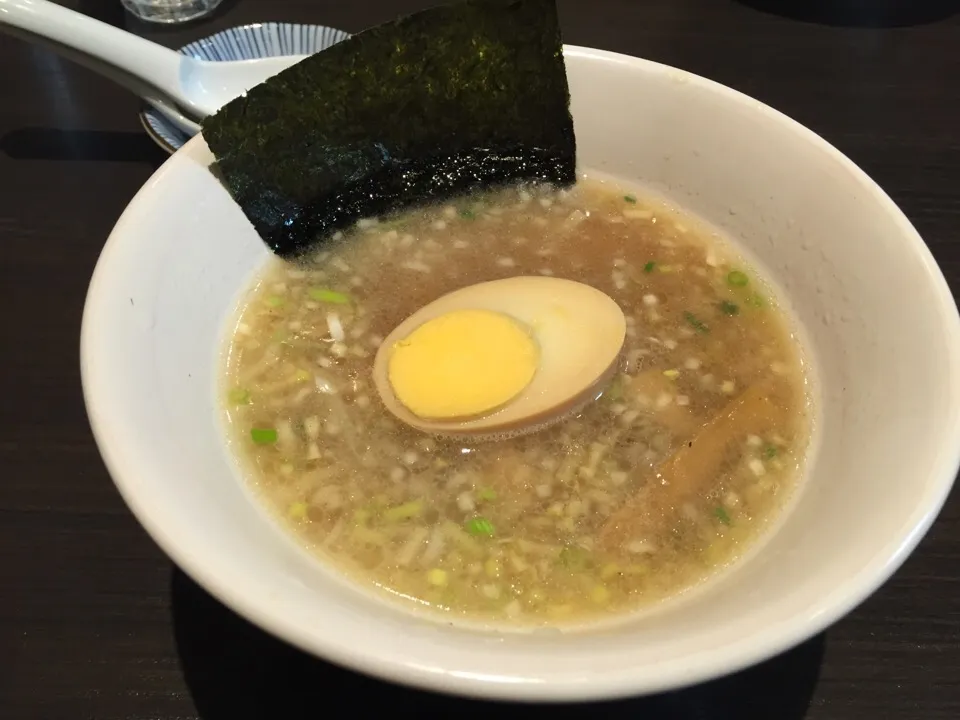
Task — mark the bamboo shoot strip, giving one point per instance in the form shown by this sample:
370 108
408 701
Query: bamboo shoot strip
696 463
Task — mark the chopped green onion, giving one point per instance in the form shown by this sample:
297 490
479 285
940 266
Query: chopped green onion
695 323
467 214
263 436
361 516
239 396
630 199
406 511
437 577
328 296
599 594
756 300
735 278
649 267
729 308
573 558
391 223
770 451
302 376
673 373
721 514
275 301
365 535
609 571
615 389
298 510
486 494
479 526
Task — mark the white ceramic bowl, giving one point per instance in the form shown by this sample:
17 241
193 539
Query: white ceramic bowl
883 333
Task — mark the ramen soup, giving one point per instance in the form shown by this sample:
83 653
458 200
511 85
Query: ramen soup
690 450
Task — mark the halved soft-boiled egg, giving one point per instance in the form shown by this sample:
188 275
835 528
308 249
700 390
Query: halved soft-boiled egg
501 358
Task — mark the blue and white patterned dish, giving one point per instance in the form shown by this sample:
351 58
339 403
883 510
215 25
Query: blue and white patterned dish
242 43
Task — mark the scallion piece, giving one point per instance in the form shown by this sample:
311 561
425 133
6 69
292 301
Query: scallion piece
630 199
326 295
573 558
721 514
486 494
391 223
467 214
695 322
361 516
263 436
729 308
406 511
770 451
239 396
479 526
735 278
437 577
614 390
275 301
649 267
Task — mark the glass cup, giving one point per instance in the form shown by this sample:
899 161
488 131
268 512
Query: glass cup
170 11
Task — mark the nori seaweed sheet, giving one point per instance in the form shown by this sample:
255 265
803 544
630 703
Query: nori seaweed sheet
435 104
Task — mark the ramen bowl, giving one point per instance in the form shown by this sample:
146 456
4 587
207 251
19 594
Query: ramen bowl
880 326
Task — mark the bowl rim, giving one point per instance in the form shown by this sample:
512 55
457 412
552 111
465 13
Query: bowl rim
366 659
155 125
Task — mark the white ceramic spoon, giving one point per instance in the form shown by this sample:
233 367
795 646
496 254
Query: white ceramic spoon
183 89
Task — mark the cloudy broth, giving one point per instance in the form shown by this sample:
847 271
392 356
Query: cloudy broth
668 476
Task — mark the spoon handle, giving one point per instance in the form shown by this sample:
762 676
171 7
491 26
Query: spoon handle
146 68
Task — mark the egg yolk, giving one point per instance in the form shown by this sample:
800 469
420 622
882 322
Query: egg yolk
463 363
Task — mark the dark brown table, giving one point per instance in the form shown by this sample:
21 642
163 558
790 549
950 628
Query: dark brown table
96 623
